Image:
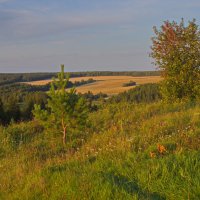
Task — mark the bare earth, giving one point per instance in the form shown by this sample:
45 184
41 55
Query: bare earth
106 84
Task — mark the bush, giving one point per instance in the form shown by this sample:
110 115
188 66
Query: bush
23 133
131 83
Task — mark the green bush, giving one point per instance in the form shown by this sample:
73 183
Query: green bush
131 83
22 133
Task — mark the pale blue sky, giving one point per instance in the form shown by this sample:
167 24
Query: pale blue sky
39 35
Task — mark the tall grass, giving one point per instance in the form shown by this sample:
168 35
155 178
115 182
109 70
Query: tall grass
119 159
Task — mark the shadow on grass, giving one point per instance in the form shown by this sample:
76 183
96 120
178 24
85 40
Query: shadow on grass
130 187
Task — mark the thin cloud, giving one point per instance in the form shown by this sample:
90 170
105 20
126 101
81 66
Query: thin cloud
18 24
4 1
42 22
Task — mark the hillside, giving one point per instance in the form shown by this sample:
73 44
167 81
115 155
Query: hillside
150 151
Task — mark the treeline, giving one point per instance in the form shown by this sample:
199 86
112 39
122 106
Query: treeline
17 100
146 93
115 73
20 89
26 77
15 109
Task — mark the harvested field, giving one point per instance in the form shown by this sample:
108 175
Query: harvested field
107 84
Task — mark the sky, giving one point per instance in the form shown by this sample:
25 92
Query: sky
85 35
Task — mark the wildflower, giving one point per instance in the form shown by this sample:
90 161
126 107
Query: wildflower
152 155
162 123
161 148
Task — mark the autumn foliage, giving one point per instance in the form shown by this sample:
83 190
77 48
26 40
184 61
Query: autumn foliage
176 52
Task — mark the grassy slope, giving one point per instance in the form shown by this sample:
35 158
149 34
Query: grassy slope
114 162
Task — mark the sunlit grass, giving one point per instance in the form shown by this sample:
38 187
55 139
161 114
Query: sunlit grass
114 161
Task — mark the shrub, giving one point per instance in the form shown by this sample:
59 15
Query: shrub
131 83
23 133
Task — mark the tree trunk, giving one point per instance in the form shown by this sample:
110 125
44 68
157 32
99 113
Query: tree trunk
64 136
64 131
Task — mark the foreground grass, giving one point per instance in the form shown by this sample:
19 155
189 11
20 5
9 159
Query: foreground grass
119 159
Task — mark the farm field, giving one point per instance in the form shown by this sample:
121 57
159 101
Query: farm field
106 84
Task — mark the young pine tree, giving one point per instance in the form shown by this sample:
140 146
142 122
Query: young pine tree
65 108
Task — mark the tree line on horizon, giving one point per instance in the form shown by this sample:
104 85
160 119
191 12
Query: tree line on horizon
7 78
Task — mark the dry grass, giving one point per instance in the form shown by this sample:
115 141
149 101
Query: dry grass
107 84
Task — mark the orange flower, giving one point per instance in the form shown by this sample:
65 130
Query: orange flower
152 155
161 148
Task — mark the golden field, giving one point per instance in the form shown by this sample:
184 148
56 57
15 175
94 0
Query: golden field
106 84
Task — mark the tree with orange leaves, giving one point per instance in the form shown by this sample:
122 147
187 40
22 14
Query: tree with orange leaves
176 51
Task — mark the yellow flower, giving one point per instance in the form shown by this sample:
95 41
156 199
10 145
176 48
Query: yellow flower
152 155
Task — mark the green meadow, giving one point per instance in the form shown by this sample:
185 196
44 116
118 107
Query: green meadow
129 151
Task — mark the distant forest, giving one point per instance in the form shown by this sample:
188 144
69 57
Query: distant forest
17 99
25 77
